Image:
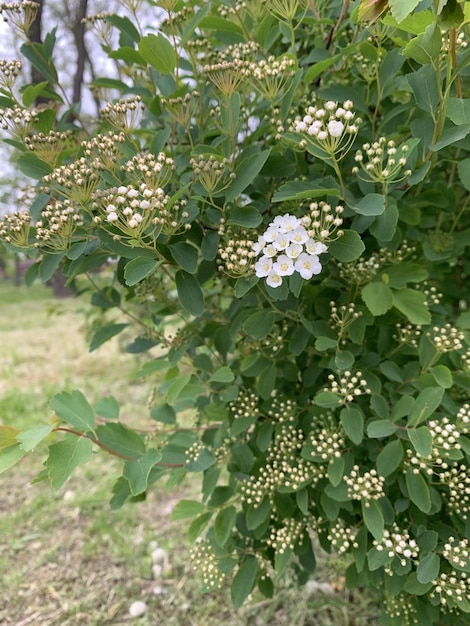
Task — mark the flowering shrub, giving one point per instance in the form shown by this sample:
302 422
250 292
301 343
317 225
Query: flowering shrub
301 219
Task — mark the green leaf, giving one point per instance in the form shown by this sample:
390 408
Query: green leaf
105 334
421 439
65 456
258 325
246 216
32 166
158 52
121 440
10 456
336 471
256 515
74 409
344 360
450 136
198 525
163 413
400 9
41 59
266 382
125 25
424 86
373 518
177 387
139 268
190 293
243 285
415 23
428 568
246 171
380 428
371 204
108 408
347 248
384 226
412 303
425 405
223 524
318 68
137 472
187 508
464 173
327 399
389 458
458 110
29 439
352 420
377 559
298 190
223 375
418 490
414 587
185 255
244 581
31 92
378 298
442 375
325 343
400 274
425 48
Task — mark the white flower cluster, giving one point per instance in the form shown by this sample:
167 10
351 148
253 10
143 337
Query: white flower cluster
286 247
397 543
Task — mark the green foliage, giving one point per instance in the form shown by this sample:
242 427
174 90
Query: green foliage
286 213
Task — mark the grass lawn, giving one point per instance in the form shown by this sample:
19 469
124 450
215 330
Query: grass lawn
65 558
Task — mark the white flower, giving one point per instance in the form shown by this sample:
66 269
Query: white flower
273 279
269 250
286 223
322 135
263 267
335 128
307 265
281 242
111 209
315 247
300 127
259 245
270 234
112 217
294 250
284 266
299 235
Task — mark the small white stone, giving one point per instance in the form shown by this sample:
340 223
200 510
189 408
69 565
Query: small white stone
159 556
157 571
137 609
159 590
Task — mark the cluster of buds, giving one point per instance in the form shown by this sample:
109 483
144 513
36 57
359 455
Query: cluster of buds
194 451
457 553
20 15
49 148
432 295
446 338
342 317
155 170
282 410
205 562
245 405
466 361
326 445
101 26
287 247
176 22
407 334
342 537
369 486
125 114
324 221
184 108
364 270
140 213
14 228
226 76
270 76
57 225
17 121
349 386
397 543
366 68
287 10
235 251
105 149
457 478
427 465
327 130
212 172
401 607
9 72
284 468
382 162
287 536
452 588
445 435
75 181
463 419
459 44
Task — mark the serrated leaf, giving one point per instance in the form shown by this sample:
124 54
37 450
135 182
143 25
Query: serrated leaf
185 255
450 136
158 52
74 409
418 490
425 47
65 456
458 110
105 334
244 581
412 303
378 298
139 268
108 408
121 440
9 456
347 248
29 439
8 436
137 472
